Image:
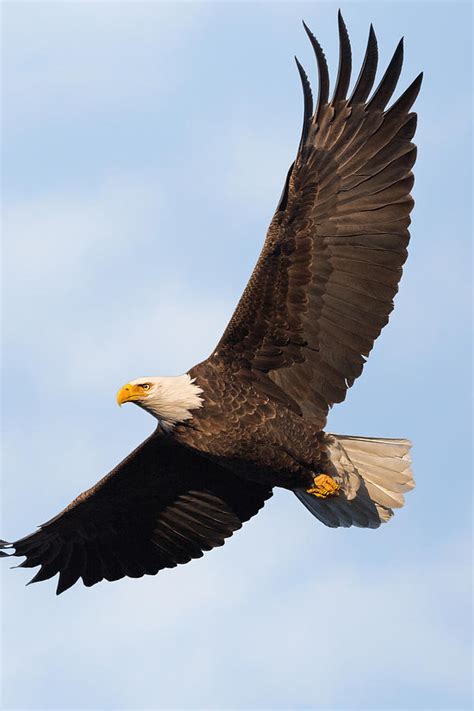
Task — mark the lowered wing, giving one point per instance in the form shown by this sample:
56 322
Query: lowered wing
163 505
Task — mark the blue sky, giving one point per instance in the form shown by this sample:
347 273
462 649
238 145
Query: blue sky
144 151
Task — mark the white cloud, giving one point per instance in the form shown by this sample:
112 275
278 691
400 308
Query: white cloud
323 633
74 55
88 296
174 332
54 240
256 164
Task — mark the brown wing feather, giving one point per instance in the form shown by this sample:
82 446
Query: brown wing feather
324 284
163 505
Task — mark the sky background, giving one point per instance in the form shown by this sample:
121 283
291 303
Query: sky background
144 150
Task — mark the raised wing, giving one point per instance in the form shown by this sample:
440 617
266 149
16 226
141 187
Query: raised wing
163 505
324 284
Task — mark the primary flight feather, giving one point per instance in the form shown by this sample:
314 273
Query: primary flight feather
252 416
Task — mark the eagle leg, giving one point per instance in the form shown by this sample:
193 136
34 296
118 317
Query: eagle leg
324 486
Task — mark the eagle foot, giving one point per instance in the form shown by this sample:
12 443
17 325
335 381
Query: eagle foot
324 486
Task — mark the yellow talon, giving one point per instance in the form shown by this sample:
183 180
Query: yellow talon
324 486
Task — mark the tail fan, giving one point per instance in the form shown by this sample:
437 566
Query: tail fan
373 474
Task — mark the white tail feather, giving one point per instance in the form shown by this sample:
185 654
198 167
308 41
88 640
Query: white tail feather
373 474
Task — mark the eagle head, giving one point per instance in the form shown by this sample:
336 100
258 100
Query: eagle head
169 399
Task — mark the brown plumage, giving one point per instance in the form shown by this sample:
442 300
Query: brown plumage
253 416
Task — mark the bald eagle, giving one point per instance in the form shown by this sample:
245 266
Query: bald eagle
252 416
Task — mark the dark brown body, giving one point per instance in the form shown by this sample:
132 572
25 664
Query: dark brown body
258 437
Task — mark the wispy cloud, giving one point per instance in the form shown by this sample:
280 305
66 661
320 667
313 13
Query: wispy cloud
56 239
60 251
60 58
362 630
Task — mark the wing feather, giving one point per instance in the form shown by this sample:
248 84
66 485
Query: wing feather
345 62
323 72
366 78
162 506
324 284
388 83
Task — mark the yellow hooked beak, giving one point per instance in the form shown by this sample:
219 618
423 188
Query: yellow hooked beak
129 393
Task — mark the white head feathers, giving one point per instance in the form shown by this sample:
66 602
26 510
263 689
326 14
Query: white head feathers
170 398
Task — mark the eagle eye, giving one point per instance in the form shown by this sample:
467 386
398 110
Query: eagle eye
146 386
